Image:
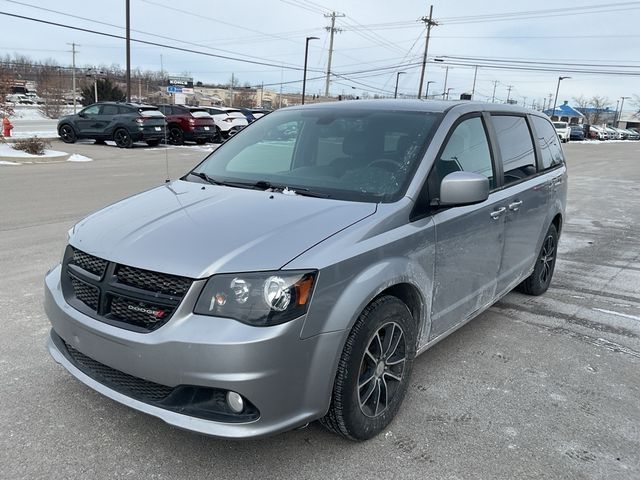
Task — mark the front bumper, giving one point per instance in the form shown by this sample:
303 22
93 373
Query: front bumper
287 379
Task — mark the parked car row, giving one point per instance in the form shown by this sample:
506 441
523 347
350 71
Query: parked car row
579 132
126 123
612 133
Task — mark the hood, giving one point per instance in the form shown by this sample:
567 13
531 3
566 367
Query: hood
193 230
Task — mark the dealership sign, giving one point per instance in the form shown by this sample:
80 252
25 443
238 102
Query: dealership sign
182 82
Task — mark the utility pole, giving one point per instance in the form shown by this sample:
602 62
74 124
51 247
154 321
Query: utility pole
621 107
261 93
544 103
139 89
493 97
73 72
231 90
428 21
332 29
446 77
473 89
509 87
128 26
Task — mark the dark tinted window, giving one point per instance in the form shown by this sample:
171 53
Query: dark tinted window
466 150
549 143
109 110
516 147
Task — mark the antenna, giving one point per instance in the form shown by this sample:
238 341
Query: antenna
166 151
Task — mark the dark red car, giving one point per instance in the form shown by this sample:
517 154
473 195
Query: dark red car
186 123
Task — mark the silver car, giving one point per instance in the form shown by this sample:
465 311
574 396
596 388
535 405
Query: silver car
295 273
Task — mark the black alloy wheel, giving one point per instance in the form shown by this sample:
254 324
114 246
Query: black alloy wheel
67 133
176 135
122 138
373 371
538 282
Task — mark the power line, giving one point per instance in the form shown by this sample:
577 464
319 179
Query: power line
146 42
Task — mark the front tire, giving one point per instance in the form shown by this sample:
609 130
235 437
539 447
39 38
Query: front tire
374 370
122 138
67 133
538 282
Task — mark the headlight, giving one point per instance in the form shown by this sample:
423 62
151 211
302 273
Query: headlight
260 299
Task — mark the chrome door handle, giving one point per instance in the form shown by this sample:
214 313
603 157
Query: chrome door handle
515 205
496 213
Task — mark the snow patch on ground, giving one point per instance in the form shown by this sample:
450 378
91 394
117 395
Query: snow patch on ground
7 153
76 157
5 162
32 112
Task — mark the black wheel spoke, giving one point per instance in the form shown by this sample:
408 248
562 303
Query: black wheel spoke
383 361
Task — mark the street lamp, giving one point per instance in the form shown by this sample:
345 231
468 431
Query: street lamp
555 102
621 107
426 95
395 93
304 76
95 75
448 90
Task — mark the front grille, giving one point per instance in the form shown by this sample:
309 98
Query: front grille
87 294
88 262
122 382
121 295
153 281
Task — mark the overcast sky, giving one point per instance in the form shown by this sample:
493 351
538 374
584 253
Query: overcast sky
375 34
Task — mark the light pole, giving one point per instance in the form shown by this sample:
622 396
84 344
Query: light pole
473 89
304 76
448 90
395 93
426 95
621 107
555 102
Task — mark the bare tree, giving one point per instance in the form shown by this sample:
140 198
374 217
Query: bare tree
244 98
51 90
636 103
599 105
5 89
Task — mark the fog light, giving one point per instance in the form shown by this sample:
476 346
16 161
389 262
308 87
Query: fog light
235 402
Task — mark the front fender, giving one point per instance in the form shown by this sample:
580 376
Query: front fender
338 302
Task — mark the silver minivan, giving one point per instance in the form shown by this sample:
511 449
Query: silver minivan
297 271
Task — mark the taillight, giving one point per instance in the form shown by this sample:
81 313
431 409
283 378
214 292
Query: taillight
192 121
229 119
140 120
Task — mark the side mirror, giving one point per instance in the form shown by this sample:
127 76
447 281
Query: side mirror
82 115
463 188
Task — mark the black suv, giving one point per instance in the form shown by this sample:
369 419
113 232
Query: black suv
124 123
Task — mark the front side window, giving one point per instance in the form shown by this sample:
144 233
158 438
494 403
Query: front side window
466 150
92 110
549 144
360 154
516 148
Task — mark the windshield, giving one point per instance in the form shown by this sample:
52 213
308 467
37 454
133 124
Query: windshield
349 154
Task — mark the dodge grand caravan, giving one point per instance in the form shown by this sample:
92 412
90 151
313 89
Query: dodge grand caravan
290 278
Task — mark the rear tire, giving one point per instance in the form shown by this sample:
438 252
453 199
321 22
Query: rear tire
122 138
538 282
67 133
374 370
176 135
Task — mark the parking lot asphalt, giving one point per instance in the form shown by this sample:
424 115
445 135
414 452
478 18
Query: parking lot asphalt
536 387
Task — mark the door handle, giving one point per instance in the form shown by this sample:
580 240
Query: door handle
515 205
496 213
557 181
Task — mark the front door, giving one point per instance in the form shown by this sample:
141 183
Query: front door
88 119
469 239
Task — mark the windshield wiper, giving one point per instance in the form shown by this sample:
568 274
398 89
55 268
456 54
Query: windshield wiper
260 185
